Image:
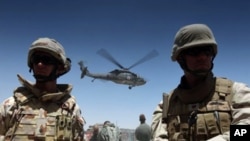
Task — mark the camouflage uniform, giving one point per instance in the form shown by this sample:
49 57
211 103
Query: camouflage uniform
109 132
34 114
206 110
40 114
240 110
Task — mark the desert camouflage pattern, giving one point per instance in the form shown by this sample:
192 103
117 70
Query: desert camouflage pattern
109 132
52 47
33 115
240 112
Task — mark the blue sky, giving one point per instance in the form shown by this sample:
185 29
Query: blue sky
128 29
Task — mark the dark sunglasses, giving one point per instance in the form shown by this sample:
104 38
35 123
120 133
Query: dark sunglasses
208 50
46 60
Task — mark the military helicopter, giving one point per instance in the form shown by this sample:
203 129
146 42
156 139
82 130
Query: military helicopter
119 76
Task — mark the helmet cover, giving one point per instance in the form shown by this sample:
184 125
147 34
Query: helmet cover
194 35
52 47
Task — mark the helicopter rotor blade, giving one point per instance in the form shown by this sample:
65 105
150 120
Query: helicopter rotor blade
147 57
104 53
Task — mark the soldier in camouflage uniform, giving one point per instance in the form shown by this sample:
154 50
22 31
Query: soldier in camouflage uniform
108 132
45 110
202 106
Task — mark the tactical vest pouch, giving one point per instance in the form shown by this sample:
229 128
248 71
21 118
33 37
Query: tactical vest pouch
177 131
225 120
41 121
184 128
32 126
63 128
40 129
184 132
212 125
173 124
201 131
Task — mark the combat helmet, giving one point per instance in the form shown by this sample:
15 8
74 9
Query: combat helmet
194 35
52 47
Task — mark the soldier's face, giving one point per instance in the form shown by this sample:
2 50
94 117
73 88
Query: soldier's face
43 64
198 60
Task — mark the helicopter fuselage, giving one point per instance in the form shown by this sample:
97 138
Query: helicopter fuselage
120 77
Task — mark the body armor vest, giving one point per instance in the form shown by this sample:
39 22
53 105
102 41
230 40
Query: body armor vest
199 121
36 120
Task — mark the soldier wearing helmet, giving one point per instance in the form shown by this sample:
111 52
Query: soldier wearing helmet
202 106
43 110
56 54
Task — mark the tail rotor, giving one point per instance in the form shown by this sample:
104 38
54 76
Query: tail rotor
83 69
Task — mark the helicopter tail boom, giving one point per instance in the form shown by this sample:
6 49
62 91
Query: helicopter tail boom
83 69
